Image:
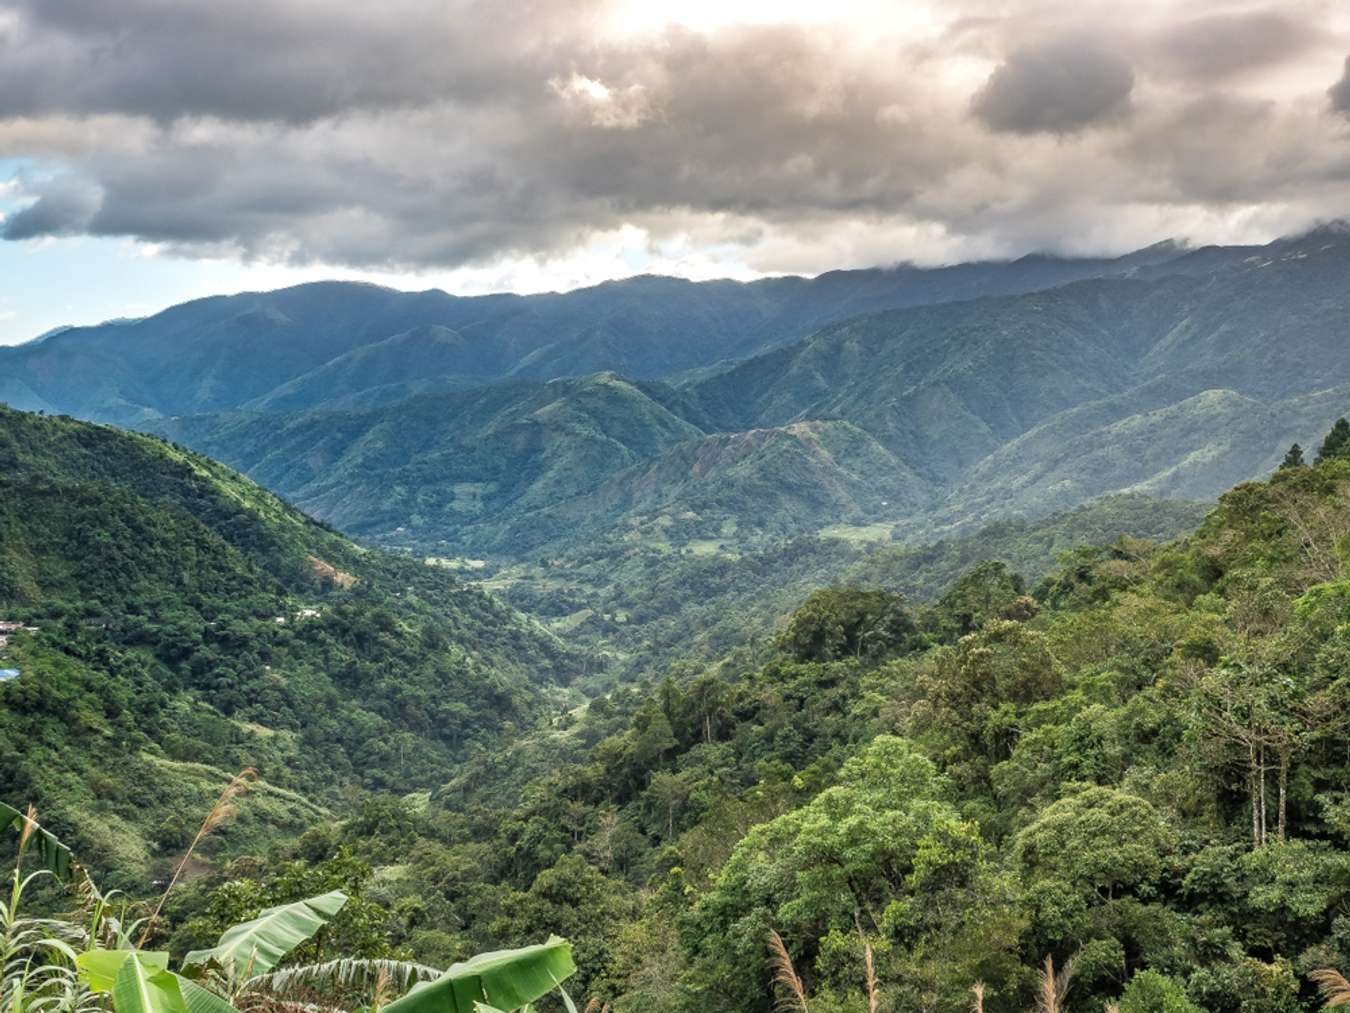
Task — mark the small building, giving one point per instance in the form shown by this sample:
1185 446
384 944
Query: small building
6 674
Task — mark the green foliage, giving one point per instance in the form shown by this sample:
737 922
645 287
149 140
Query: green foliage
54 855
509 979
881 846
189 623
1336 443
1137 769
1151 992
645 607
839 623
256 946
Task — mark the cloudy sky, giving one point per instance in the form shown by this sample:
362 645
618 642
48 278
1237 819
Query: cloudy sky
156 150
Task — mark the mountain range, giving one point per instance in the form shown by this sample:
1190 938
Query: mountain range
678 413
311 345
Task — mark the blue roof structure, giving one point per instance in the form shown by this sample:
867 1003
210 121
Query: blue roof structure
8 673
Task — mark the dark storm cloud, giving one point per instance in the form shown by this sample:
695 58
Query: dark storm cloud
293 60
746 121
435 133
1340 91
1055 87
64 207
1222 44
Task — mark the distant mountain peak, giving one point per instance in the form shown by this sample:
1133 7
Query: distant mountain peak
1336 230
60 329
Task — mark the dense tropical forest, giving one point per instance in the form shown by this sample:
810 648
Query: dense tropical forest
871 642
1125 783
177 621
674 506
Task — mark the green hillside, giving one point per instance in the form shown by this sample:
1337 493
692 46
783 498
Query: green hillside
1135 768
425 358
1192 448
181 623
437 464
512 469
944 387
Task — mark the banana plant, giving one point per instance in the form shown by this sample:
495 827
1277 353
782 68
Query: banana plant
246 956
496 982
255 947
55 856
499 982
37 955
140 981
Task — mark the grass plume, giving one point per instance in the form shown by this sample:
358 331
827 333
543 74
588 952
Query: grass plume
218 814
785 974
1333 986
1054 988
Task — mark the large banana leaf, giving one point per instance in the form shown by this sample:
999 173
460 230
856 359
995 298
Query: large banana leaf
507 979
257 946
99 968
103 970
346 972
55 855
199 1000
141 989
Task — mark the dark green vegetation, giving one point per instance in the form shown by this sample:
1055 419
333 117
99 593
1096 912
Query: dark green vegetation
855 680
1135 766
89 960
640 607
190 623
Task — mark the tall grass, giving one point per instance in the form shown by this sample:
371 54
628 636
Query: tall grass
37 955
785 975
220 813
1333 986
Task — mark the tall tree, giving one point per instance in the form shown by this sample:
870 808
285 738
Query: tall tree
1292 459
1337 442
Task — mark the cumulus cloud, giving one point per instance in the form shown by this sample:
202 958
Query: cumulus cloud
443 133
1055 87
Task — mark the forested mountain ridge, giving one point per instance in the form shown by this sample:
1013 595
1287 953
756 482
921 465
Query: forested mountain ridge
945 386
182 622
1178 381
322 343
